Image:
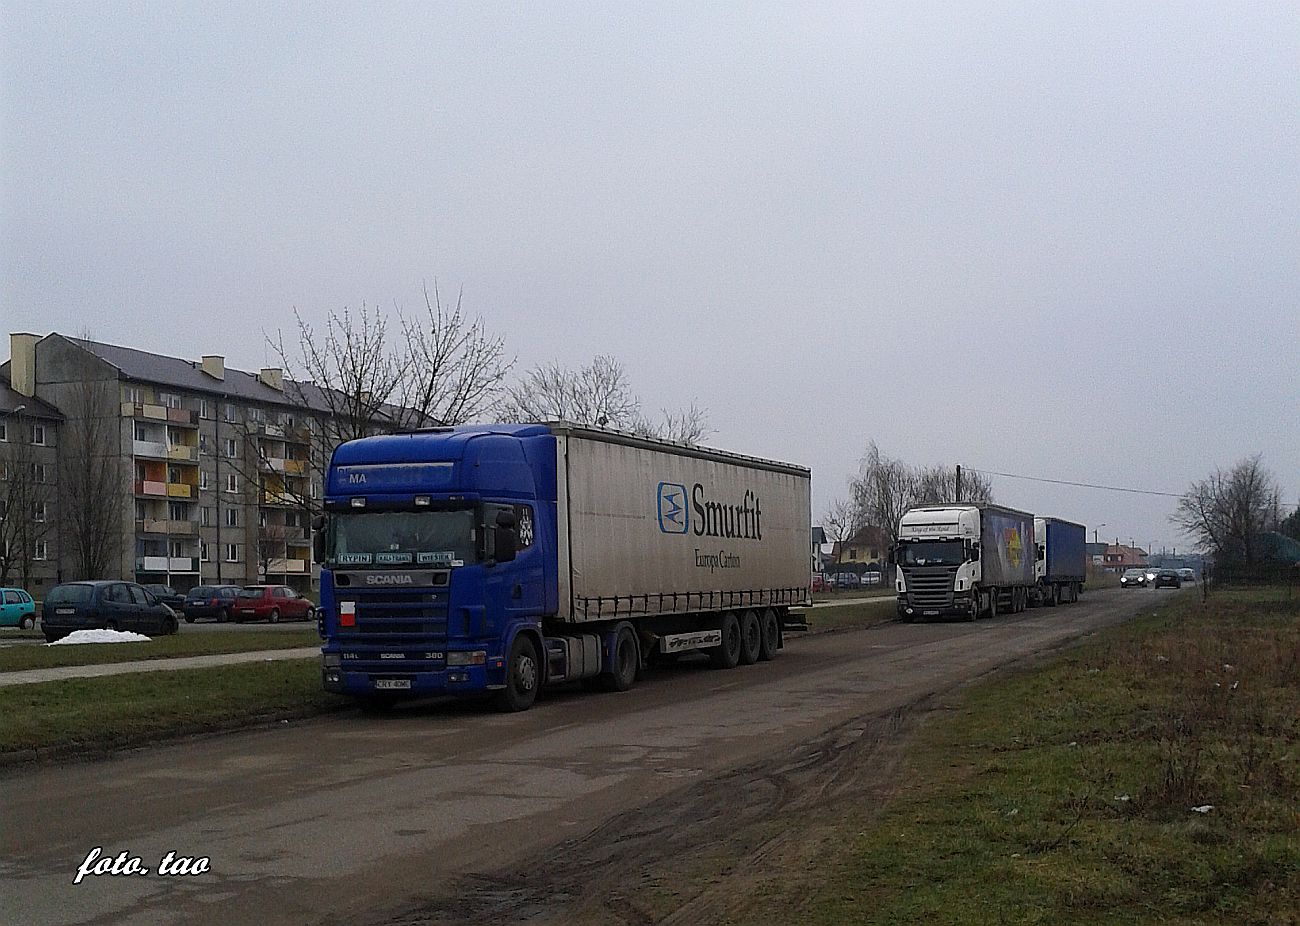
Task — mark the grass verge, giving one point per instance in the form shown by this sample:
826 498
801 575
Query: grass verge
99 714
850 616
1066 794
17 658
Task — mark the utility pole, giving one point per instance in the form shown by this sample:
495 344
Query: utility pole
958 482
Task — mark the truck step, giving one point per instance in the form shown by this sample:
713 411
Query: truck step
794 621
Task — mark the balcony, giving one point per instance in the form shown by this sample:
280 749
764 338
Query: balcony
287 467
277 498
181 416
182 564
182 453
174 528
151 487
151 563
282 566
149 448
267 429
179 490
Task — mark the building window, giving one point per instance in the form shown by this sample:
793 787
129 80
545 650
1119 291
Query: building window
205 408
206 516
232 517
232 552
261 519
228 412
38 435
134 394
38 472
170 399
203 479
203 443
256 414
232 482
230 447
39 512
4 431
173 474
141 432
203 551
177 511
42 550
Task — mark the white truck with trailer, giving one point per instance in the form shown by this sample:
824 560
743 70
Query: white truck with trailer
963 561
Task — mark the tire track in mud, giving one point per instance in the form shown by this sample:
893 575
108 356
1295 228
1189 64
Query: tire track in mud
741 828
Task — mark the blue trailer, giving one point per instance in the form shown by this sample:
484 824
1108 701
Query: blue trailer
1061 563
504 558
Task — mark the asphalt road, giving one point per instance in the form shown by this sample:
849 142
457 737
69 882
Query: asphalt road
378 819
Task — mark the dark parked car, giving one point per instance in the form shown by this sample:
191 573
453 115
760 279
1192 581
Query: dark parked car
272 603
1167 578
168 596
104 605
215 601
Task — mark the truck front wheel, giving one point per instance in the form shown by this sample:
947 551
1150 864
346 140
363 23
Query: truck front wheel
727 654
523 677
751 638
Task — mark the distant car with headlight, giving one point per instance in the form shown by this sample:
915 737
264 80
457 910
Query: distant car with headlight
1133 578
1167 578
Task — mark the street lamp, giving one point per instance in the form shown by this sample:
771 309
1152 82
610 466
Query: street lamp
1095 529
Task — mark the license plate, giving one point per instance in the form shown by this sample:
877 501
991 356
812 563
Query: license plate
247 611
392 683
929 613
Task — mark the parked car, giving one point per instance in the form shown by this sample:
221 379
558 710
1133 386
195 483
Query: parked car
1133 578
1187 574
17 609
168 596
1168 578
847 580
820 582
272 603
214 601
104 605
871 577
1151 572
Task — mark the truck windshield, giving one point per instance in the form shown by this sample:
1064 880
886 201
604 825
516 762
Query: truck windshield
387 538
931 553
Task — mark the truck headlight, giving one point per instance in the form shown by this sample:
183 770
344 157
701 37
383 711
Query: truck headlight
476 657
333 660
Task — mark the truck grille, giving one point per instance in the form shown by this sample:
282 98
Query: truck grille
930 588
393 616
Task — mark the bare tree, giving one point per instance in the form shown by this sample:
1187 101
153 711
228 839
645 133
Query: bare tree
599 393
362 375
840 521
1227 511
26 494
885 488
271 547
89 478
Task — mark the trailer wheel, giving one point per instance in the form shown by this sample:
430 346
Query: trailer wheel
523 677
626 663
770 641
727 654
751 638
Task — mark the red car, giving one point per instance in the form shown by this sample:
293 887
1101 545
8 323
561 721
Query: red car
272 603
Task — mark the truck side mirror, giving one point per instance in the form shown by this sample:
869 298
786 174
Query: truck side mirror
974 552
318 538
504 539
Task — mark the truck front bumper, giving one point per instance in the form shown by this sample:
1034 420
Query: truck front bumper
457 680
961 606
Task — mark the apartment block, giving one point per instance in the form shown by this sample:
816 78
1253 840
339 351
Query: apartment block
212 471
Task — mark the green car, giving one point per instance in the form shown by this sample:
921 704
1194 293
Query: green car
17 609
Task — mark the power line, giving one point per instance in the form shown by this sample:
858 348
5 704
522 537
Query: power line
1083 485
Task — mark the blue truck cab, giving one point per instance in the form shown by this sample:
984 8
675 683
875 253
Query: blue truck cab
438 553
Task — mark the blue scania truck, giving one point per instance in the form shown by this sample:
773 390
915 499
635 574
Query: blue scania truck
504 558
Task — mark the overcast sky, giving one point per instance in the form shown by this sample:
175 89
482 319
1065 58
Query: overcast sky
1059 240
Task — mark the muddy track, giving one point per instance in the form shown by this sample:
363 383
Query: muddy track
744 827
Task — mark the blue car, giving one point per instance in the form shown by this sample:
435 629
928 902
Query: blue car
17 609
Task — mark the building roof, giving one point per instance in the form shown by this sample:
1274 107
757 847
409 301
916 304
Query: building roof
818 535
187 374
11 402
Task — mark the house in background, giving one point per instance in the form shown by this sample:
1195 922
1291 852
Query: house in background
866 549
1119 557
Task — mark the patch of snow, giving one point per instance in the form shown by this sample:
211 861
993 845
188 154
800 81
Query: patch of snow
1204 808
100 636
1122 797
